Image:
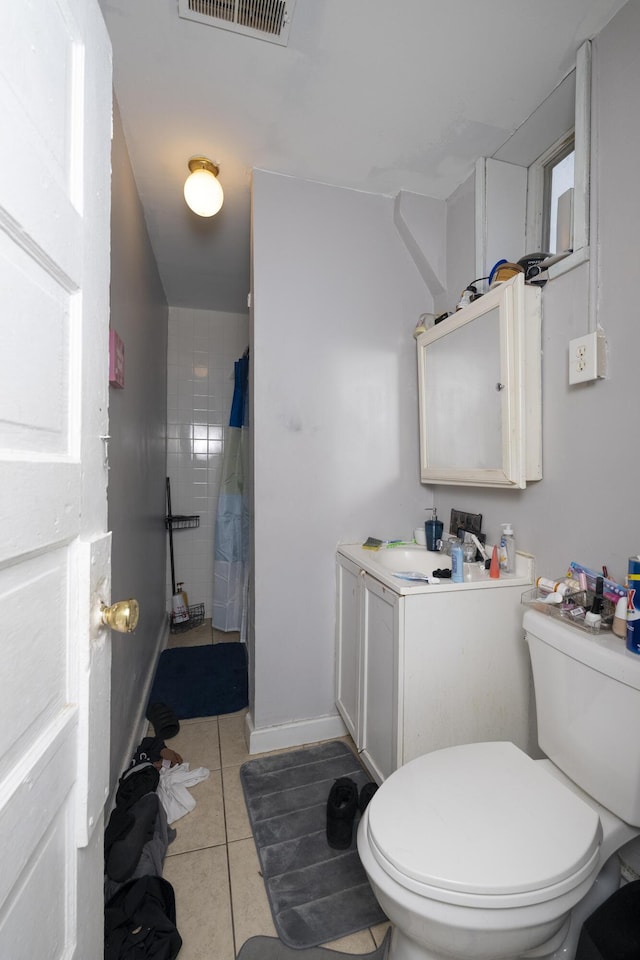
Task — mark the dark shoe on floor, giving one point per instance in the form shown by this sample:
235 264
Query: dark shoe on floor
163 720
341 810
365 795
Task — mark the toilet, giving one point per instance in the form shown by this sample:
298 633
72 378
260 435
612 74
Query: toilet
479 852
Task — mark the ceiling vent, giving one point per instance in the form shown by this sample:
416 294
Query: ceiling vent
263 19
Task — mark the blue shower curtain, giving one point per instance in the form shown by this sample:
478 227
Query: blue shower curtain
231 542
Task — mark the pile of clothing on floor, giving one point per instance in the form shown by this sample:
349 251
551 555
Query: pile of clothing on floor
140 910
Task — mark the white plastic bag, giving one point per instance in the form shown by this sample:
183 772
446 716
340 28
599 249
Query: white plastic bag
173 792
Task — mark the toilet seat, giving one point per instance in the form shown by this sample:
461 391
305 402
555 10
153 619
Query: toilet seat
482 825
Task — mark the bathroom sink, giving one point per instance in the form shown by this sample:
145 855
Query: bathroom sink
391 565
410 559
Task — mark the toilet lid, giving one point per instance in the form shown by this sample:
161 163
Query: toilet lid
482 818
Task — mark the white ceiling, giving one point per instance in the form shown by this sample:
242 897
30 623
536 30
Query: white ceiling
404 94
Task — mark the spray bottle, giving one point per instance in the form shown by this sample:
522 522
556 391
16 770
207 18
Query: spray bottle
183 592
507 548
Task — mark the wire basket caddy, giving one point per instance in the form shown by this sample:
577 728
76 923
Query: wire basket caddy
177 521
196 617
181 521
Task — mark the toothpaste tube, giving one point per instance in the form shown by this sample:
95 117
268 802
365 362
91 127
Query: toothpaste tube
611 590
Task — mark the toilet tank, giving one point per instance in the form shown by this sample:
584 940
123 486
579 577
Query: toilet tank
587 690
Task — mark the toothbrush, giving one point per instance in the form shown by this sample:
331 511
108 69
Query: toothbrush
481 550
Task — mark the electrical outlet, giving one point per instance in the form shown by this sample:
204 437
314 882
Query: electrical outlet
583 358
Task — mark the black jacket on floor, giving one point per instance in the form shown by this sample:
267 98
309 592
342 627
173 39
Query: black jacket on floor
140 922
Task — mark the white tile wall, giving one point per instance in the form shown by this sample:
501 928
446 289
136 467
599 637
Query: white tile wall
202 348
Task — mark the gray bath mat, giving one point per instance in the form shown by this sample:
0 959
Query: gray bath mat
316 893
270 948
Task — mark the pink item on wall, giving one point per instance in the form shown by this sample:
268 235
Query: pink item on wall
116 360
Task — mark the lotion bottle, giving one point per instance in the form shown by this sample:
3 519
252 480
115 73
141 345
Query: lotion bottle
457 563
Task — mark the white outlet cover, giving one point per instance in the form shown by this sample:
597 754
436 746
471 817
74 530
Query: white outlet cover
583 358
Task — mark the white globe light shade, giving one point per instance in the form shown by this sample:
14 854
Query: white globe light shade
203 193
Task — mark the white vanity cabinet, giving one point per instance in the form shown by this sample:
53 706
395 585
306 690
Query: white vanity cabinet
421 668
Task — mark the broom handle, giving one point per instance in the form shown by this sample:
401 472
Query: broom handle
170 523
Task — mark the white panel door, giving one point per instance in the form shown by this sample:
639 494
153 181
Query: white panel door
55 133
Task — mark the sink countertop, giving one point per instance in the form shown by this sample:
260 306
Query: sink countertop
378 563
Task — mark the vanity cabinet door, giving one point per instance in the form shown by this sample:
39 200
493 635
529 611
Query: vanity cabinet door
381 629
348 588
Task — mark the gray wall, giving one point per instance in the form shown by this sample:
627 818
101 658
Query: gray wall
334 414
334 394
137 454
460 242
585 507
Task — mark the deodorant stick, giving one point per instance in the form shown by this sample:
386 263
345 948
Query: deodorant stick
619 625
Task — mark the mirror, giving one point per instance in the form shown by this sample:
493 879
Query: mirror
479 391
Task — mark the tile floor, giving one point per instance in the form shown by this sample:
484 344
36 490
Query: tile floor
212 864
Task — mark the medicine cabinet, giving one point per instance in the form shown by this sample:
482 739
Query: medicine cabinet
479 389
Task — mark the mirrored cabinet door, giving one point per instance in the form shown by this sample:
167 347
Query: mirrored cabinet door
479 391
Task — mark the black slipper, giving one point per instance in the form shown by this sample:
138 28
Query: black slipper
163 720
341 810
365 795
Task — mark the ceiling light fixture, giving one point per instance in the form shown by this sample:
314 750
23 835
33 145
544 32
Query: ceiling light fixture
202 189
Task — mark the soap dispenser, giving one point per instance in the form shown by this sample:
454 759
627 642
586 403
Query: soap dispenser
433 530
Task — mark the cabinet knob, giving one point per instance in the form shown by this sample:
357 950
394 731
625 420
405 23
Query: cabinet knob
499 386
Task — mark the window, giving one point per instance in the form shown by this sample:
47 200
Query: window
557 203
558 184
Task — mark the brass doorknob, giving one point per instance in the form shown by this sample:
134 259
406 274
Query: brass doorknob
121 616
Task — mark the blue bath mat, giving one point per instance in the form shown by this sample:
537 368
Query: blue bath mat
202 681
